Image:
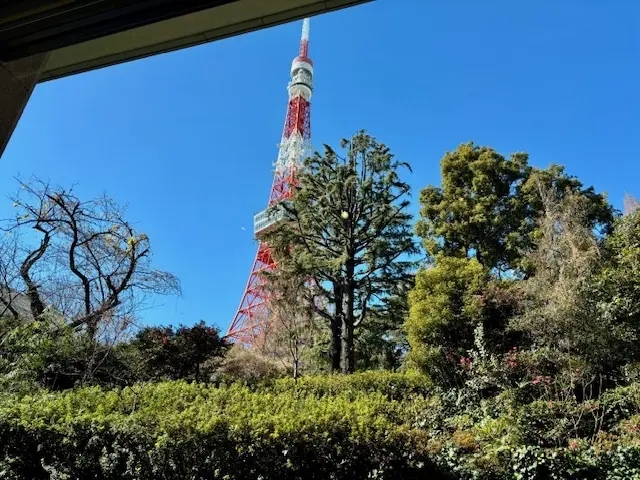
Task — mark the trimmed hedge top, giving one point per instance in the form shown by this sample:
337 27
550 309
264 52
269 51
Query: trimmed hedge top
373 425
181 430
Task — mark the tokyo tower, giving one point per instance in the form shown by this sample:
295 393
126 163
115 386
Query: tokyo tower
252 318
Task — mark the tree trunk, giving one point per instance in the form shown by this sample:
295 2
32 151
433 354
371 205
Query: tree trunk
336 342
336 330
35 302
296 370
348 351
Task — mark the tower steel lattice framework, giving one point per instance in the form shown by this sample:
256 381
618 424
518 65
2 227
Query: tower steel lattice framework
252 318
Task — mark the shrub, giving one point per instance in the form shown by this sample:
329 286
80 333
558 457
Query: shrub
394 386
169 353
444 307
178 430
249 367
364 426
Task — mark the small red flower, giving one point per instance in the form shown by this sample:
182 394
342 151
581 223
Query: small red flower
465 362
511 357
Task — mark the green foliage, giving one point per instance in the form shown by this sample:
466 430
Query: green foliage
394 386
188 353
523 334
616 287
383 344
317 357
177 430
515 255
526 320
444 310
488 206
44 354
582 300
351 232
369 425
474 208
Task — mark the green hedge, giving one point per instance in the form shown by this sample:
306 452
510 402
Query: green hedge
368 426
394 386
182 431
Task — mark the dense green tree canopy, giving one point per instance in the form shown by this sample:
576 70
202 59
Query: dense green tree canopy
473 211
178 353
488 206
615 290
383 343
513 254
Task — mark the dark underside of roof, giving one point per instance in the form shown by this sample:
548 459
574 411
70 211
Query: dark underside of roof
28 27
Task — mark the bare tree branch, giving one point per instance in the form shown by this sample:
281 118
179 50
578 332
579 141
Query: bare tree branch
93 266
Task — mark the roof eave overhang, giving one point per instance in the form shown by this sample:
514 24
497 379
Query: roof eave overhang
223 21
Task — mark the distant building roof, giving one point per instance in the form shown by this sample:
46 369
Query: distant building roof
17 301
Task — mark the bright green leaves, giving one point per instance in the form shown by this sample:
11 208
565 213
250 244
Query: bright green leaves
488 206
444 309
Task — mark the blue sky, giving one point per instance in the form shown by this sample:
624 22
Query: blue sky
187 139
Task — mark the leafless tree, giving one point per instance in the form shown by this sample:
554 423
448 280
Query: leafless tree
558 313
9 278
292 325
82 257
631 204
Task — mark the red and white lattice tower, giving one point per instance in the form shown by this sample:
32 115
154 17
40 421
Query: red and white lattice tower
252 318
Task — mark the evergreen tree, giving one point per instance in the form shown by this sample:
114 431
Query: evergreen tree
383 344
482 230
488 207
351 232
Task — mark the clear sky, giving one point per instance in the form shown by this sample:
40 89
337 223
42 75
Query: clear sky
187 139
